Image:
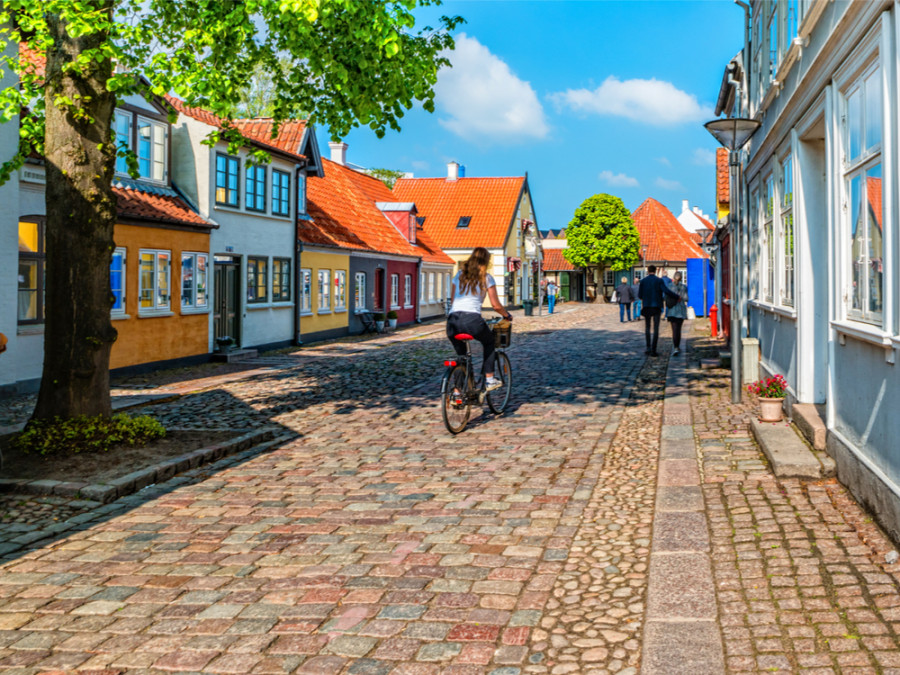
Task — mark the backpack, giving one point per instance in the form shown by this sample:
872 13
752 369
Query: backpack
671 300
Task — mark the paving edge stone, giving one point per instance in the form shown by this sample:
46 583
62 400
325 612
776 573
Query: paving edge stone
788 454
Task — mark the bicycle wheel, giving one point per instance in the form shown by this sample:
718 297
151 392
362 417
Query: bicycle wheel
498 398
455 408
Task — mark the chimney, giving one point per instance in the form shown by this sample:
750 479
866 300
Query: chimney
452 170
338 153
685 207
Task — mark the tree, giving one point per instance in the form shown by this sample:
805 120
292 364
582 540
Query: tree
351 63
386 176
602 233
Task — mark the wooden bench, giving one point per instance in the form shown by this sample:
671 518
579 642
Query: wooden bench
368 321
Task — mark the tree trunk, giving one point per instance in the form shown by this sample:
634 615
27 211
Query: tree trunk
81 214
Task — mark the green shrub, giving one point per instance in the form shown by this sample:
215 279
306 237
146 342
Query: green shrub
87 434
392 314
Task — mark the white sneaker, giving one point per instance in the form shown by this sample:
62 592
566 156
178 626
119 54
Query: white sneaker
676 352
492 383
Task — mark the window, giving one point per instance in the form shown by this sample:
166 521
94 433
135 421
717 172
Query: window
439 292
31 271
863 186
152 142
193 281
769 238
359 292
431 297
792 22
153 281
774 47
447 284
117 281
122 128
421 287
787 231
281 193
301 192
257 280
463 222
324 290
305 291
227 191
340 290
395 291
255 188
757 65
754 248
609 278
281 279
407 290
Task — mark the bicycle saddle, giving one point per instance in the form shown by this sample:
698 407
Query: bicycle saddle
463 336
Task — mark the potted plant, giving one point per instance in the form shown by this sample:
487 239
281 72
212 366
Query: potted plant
224 343
379 322
771 393
392 319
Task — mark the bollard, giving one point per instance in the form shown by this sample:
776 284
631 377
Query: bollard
713 321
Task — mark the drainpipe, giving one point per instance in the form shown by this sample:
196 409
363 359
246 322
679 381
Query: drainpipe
746 60
298 251
419 294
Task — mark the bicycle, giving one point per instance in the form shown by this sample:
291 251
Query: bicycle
458 389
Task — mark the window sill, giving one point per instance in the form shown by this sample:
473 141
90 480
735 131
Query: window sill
361 311
306 313
250 213
340 310
155 315
777 310
187 311
281 304
407 306
119 317
323 311
258 305
32 329
395 307
866 333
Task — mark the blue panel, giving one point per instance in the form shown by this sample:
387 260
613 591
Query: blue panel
698 271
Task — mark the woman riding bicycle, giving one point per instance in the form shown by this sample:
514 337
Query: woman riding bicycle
470 286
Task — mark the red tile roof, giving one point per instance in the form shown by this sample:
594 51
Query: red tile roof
344 214
157 208
873 192
722 176
290 133
491 204
554 261
663 234
34 61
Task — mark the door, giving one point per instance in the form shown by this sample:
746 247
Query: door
226 304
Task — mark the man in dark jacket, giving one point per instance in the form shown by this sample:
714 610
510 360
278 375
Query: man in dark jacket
651 292
624 298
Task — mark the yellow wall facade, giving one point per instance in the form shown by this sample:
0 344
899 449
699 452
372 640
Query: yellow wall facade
318 320
166 335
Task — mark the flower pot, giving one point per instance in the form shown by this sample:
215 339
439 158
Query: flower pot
392 323
379 326
770 409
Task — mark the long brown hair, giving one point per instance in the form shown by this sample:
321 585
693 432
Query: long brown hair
473 272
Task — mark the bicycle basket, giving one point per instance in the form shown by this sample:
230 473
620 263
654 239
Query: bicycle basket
502 335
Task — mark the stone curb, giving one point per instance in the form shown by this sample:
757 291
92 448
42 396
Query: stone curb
788 454
137 480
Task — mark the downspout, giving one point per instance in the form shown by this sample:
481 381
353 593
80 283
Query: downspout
298 251
746 60
418 294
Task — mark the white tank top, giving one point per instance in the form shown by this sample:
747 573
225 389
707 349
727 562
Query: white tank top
471 301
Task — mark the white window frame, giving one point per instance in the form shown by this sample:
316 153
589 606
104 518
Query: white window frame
407 291
359 292
284 280
395 291
422 287
265 299
324 292
786 233
305 291
431 297
195 305
122 162
757 245
858 167
767 208
158 307
340 290
159 140
609 278
123 252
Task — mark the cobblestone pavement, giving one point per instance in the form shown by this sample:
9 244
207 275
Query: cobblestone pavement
801 580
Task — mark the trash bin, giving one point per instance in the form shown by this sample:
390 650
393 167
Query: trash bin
528 305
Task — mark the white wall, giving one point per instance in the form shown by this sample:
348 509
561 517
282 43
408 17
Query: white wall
9 254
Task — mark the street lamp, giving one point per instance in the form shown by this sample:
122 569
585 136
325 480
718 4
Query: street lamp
733 133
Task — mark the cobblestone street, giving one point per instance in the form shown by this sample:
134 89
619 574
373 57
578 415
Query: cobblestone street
372 542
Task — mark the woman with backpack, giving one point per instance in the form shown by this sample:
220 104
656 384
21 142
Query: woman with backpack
677 310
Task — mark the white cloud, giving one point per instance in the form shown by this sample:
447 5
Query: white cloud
419 165
483 98
669 184
705 157
617 179
652 101
664 160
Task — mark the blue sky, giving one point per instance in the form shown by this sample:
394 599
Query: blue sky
586 96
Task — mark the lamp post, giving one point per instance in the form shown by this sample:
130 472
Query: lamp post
733 133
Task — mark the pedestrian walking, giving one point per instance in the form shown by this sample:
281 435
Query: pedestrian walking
636 307
651 292
678 313
552 290
624 297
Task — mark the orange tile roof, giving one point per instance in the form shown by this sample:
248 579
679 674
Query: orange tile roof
722 176
490 202
663 234
554 261
344 214
156 207
290 133
873 192
34 61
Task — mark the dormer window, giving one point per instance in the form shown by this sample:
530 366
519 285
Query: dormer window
148 139
122 126
420 221
463 222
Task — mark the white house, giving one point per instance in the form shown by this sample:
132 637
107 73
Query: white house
821 291
11 360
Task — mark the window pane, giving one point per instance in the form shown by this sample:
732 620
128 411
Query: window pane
857 245
143 149
29 238
117 281
787 228
159 152
770 196
301 193
873 109
162 280
875 241
28 290
147 280
787 191
123 139
187 280
306 289
201 280
854 124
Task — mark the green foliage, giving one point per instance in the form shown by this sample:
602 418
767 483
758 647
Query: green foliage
392 314
386 176
379 316
87 434
350 63
602 233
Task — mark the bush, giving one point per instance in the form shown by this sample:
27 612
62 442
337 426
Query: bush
379 316
87 434
392 314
